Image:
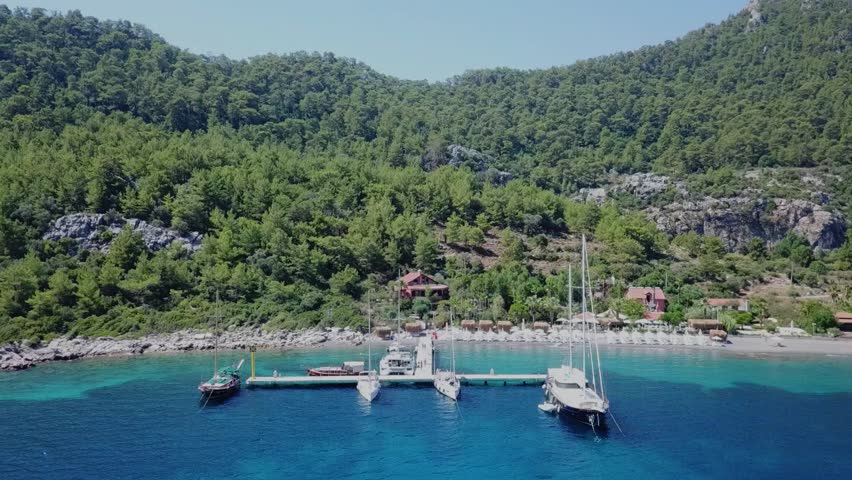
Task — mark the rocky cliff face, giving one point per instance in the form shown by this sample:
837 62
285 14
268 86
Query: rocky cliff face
738 219
94 231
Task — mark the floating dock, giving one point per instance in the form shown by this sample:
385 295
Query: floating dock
482 379
423 374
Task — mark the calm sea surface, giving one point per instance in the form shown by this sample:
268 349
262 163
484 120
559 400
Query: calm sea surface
685 414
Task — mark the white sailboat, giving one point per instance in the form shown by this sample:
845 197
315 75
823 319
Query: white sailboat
567 388
446 381
368 382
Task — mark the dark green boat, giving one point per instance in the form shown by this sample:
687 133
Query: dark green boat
225 382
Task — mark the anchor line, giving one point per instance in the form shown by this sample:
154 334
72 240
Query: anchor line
616 422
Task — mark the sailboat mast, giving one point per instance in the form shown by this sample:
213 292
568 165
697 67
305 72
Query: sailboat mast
585 273
583 299
216 337
570 318
595 331
452 340
369 334
398 304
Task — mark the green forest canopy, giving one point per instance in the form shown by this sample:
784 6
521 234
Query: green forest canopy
305 171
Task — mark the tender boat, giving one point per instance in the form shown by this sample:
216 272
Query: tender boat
398 361
368 382
347 369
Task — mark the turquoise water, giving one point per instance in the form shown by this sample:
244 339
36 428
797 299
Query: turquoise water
685 414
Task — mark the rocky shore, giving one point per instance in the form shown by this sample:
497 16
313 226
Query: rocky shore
16 356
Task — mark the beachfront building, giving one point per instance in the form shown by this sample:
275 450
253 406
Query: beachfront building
844 321
652 298
418 284
733 304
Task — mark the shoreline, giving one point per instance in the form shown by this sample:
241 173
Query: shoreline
15 356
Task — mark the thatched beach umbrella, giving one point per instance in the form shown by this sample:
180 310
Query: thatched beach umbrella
504 326
382 332
541 326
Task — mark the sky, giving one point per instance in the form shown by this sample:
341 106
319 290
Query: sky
431 40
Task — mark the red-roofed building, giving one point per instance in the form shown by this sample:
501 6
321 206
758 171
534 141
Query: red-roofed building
418 284
652 297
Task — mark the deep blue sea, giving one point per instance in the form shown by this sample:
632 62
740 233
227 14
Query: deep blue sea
685 414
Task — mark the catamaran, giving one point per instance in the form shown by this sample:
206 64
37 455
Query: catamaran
226 380
368 382
567 388
446 381
398 361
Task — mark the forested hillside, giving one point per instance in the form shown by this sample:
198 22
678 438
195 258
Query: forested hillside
314 178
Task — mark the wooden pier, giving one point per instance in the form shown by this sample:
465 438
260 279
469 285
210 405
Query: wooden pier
423 374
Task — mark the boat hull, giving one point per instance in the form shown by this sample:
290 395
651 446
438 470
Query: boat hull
219 391
327 372
447 390
368 391
591 418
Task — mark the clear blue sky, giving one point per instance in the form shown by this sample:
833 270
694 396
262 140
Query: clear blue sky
430 40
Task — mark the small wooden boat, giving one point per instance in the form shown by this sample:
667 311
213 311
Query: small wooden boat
225 382
347 369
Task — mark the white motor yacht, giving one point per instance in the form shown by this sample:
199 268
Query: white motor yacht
398 361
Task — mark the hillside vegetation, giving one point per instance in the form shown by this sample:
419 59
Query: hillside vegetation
315 179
